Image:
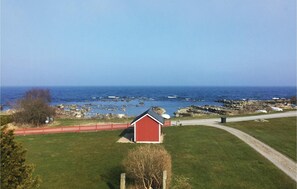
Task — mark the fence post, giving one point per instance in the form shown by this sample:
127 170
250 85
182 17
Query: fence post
164 179
123 181
112 126
96 126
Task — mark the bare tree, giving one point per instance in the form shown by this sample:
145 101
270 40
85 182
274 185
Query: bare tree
34 107
145 165
40 94
293 100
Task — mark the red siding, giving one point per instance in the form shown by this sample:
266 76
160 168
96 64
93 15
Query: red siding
147 129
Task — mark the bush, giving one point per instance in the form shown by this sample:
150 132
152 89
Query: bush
5 119
34 108
145 165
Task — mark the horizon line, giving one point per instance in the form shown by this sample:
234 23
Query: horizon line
37 86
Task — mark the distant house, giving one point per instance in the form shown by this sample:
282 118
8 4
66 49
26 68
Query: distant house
148 127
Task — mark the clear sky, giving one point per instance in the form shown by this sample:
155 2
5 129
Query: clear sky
148 42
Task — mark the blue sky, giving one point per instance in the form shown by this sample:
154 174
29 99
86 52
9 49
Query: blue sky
168 42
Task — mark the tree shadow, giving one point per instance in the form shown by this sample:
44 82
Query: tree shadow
112 177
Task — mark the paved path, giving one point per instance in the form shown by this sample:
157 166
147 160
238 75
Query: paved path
236 119
287 165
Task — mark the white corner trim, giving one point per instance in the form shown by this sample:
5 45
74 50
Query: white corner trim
159 133
134 125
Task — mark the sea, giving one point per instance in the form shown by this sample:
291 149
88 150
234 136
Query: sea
134 100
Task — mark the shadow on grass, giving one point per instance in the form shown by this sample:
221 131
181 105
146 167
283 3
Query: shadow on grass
129 130
112 177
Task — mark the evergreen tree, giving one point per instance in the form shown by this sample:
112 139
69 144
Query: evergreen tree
15 173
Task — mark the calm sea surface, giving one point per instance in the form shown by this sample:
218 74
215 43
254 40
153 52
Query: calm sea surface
134 100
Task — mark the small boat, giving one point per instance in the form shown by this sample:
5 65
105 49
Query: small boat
172 97
113 97
166 116
261 111
277 109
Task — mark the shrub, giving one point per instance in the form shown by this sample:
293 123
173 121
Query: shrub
145 165
5 119
34 108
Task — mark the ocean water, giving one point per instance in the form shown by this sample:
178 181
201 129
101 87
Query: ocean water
135 100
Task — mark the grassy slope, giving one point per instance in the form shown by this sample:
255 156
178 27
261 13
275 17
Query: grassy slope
74 122
84 160
211 158
278 133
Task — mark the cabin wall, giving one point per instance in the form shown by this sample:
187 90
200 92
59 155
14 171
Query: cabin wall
147 130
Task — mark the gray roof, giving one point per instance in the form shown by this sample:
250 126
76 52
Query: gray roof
152 113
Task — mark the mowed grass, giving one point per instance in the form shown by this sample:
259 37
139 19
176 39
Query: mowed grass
279 133
77 160
211 158
82 121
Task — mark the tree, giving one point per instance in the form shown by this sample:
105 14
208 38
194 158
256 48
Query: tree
34 107
145 165
293 100
15 173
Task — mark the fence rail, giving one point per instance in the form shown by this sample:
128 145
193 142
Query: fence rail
75 129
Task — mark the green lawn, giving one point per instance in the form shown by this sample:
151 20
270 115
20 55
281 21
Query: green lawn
278 133
211 158
82 121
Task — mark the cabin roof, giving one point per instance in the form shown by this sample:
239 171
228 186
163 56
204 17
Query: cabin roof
152 113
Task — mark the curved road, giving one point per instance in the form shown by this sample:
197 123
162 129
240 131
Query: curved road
236 119
287 165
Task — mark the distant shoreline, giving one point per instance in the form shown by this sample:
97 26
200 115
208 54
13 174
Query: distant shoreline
132 100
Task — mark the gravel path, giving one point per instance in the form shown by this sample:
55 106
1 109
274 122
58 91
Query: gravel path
287 165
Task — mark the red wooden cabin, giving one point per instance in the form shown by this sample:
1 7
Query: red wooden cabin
148 127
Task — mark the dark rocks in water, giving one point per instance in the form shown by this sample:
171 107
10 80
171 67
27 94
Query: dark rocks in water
72 110
234 107
194 111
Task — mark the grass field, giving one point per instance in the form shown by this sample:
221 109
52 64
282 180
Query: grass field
81 121
211 158
278 133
